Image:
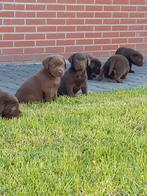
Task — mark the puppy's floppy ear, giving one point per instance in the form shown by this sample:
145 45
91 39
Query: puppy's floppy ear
46 62
71 60
64 62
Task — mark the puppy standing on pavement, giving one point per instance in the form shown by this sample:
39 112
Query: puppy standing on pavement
93 69
44 85
133 56
75 78
116 67
9 105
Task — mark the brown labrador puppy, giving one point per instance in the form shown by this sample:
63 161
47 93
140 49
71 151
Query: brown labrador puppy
9 105
75 78
44 85
133 56
116 67
93 69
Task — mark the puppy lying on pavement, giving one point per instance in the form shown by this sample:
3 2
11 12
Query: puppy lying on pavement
93 69
116 68
133 56
44 85
75 78
9 105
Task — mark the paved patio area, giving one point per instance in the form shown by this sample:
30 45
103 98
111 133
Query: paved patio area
12 76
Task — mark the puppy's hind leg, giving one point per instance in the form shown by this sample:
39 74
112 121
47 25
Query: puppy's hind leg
101 76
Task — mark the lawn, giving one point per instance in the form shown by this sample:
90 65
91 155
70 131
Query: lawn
87 145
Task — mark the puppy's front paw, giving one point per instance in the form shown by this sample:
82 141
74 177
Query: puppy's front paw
131 71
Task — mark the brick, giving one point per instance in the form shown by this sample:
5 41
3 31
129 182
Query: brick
120 15
84 42
45 43
6 14
12 51
137 2
134 40
103 28
109 47
94 8
6 58
74 49
127 34
142 8
65 14
75 21
14 6
142 21
120 28
35 7
102 1
13 36
35 21
92 48
91 21
65 28
85 28
121 1
103 15
24 43
136 27
30 1
34 36
25 29
66 1
65 42
56 21
118 41
102 41
75 35
85 1
56 36
33 50
13 22
112 8
110 21
75 8
46 28
93 35
6 44
54 49
136 15
85 15
25 14
46 14
127 21
6 29
128 8
111 34
56 7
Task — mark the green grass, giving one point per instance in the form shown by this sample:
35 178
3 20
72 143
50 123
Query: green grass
87 145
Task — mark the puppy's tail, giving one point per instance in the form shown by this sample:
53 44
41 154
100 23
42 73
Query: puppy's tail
111 68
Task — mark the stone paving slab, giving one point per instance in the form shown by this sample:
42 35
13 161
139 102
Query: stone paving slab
12 76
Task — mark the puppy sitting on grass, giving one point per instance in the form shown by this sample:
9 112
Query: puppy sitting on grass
116 68
133 56
93 69
44 85
75 78
9 105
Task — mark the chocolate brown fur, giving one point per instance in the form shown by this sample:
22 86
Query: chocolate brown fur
116 68
44 85
93 69
9 105
75 78
133 56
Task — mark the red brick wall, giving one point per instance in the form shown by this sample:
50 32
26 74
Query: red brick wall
31 29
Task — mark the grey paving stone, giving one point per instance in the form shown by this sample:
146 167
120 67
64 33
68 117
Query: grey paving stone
12 76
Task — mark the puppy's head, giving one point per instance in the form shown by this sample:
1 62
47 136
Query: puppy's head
55 65
11 108
79 61
137 58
